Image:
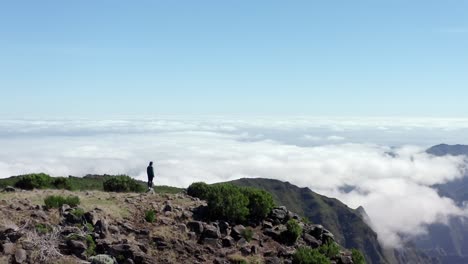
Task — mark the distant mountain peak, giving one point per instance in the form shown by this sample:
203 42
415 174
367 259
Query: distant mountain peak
446 149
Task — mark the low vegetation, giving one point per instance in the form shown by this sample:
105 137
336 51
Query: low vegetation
293 231
330 249
87 183
247 234
358 257
150 216
232 203
123 183
307 255
56 201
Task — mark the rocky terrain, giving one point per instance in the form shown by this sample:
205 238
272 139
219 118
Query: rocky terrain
111 228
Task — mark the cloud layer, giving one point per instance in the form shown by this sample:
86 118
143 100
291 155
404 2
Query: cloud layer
392 183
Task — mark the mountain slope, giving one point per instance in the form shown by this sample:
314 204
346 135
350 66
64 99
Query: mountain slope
346 224
449 242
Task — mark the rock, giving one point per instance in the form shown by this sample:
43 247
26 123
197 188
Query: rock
246 250
129 251
224 228
210 231
220 261
346 259
213 242
279 214
254 249
195 226
20 255
192 235
316 231
311 241
327 236
8 248
27 245
242 242
236 231
187 214
91 217
182 228
77 248
128 227
275 234
274 260
114 229
267 225
65 208
10 234
228 241
102 259
160 243
9 189
168 208
40 214
101 227
285 252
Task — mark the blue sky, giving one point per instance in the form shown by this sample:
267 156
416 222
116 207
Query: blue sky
325 58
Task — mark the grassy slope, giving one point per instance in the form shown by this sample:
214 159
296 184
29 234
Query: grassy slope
345 223
92 182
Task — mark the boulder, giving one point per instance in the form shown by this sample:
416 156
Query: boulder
311 241
279 214
273 260
236 231
182 228
9 189
168 208
228 241
195 226
213 242
8 248
102 259
327 236
77 248
346 259
211 231
20 255
224 228
102 228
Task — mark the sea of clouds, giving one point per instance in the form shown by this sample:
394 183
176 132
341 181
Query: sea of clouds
379 163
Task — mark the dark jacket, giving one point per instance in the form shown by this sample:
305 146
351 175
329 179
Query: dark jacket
150 172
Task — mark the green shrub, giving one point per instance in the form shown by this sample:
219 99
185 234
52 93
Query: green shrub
43 228
260 203
199 190
78 212
89 227
307 255
122 183
232 203
56 201
293 231
358 257
91 250
150 216
330 249
34 181
61 183
247 234
226 202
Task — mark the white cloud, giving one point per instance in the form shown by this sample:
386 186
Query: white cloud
395 191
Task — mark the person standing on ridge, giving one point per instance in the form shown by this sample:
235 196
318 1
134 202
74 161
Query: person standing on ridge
150 172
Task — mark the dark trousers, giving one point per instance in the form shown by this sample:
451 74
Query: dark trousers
150 182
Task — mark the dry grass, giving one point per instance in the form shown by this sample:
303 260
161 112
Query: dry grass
46 246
